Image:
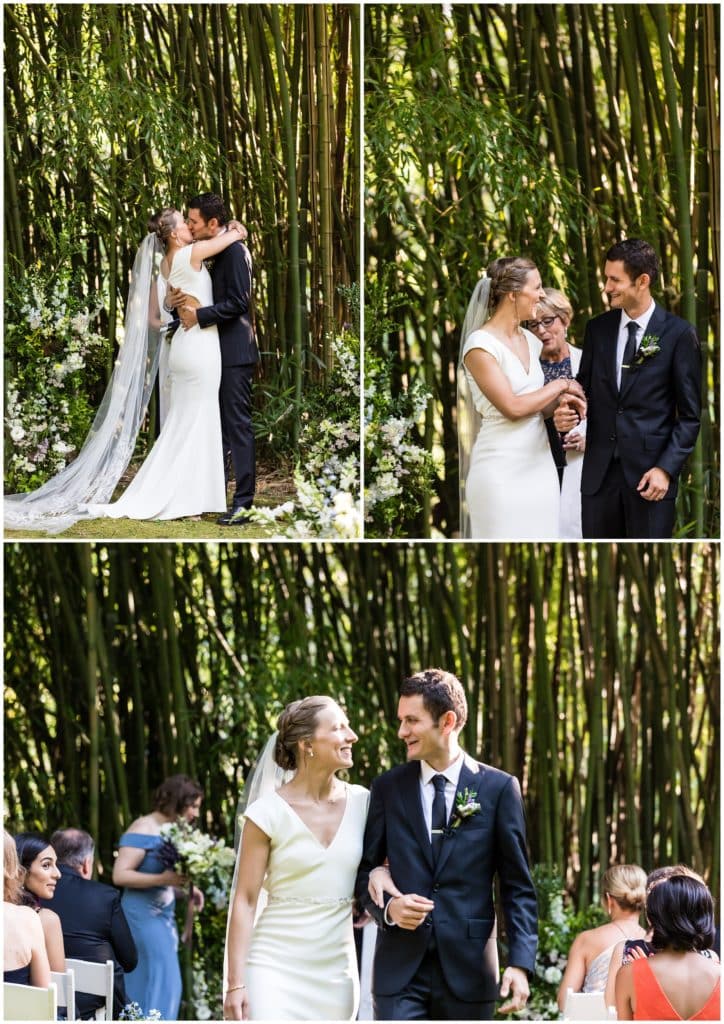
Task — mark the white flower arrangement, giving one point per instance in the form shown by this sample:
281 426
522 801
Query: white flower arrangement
327 501
49 344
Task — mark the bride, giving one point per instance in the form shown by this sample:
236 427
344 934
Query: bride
508 480
291 955
184 474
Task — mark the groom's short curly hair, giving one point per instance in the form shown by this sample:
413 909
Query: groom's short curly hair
209 205
638 257
440 691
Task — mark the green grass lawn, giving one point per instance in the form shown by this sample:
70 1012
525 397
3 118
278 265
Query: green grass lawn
273 488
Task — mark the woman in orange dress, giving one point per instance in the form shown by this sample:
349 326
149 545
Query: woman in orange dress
676 983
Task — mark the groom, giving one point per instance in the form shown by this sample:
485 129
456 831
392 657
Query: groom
231 312
446 825
641 372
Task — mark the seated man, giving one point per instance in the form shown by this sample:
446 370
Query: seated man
94 925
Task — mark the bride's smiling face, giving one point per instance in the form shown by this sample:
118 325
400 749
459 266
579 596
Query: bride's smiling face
333 739
527 299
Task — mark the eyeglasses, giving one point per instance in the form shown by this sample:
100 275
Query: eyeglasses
545 321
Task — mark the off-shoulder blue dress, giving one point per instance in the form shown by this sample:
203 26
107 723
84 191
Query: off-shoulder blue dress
155 984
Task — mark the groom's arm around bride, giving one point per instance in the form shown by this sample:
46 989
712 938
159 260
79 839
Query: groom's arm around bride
447 825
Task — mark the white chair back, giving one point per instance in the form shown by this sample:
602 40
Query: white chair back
26 1002
94 980
65 983
587 1006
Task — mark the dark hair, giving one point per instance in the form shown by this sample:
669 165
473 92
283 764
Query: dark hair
175 794
72 846
440 691
209 205
508 274
680 910
637 256
297 722
29 846
161 224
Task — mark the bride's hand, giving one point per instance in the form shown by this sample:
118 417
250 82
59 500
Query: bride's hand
380 882
236 1005
236 225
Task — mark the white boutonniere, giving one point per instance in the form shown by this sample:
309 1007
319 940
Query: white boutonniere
649 347
465 807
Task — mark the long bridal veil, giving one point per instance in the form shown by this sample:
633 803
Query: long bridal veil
92 476
266 777
468 415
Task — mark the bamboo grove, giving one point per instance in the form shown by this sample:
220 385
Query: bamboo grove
592 673
113 110
547 130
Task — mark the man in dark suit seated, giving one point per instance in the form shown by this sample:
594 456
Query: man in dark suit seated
94 925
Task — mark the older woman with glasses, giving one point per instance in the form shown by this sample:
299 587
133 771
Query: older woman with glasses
560 360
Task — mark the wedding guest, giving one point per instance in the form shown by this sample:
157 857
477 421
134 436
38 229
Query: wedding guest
676 983
94 925
149 897
623 891
559 360
25 958
38 858
625 952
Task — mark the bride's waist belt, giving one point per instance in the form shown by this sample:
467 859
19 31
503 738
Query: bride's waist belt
311 899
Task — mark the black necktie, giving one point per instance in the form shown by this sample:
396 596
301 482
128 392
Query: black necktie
439 815
630 351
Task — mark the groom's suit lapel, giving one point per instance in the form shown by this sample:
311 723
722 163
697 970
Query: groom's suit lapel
412 803
611 344
471 777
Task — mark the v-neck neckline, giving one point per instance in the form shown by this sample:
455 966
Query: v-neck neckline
515 354
301 820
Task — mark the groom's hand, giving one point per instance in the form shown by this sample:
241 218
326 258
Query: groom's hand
515 983
654 484
409 911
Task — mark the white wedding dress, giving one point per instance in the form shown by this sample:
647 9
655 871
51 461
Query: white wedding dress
302 963
184 473
512 489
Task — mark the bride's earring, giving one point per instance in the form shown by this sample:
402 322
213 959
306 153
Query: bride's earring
517 318
310 752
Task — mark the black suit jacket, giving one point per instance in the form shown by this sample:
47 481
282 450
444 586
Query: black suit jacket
94 928
489 843
231 279
654 420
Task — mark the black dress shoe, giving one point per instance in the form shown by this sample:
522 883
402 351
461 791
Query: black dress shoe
234 517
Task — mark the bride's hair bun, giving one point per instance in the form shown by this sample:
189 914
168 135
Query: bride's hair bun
508 274
626 883
161 224
297 722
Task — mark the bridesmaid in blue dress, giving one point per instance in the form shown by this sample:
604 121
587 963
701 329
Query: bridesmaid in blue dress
149 897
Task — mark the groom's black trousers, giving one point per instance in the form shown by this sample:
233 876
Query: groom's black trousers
238 431
617 510
428 997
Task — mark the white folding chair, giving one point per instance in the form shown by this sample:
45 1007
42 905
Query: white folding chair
587 1006
26 1002
65 983
94 980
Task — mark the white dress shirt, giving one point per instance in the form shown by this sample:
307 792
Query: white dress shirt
643 322
427 789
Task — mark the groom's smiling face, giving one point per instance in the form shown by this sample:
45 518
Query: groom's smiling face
420 734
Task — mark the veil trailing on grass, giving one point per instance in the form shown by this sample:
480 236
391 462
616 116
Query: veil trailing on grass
92 476
266 777
468 415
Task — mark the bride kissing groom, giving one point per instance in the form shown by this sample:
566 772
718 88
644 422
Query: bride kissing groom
439 830
184 473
